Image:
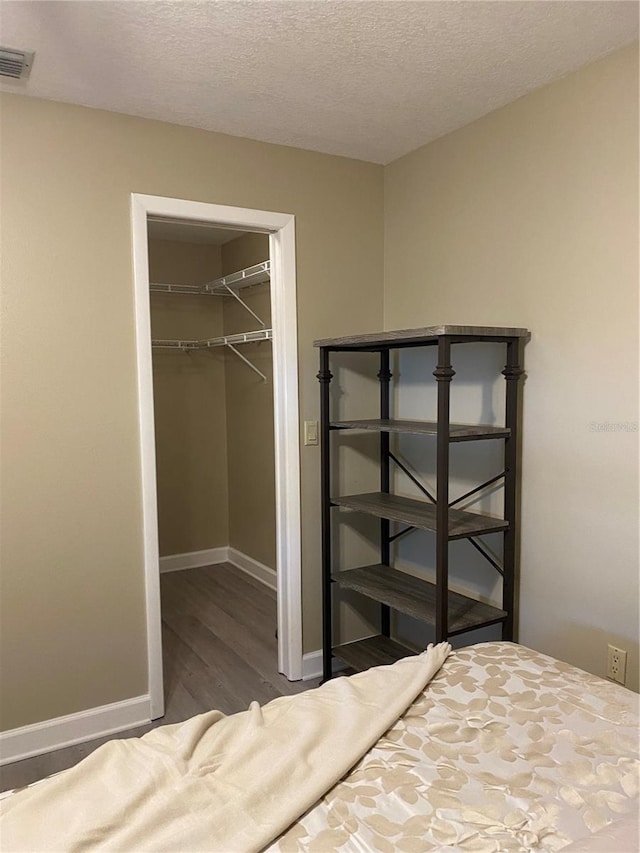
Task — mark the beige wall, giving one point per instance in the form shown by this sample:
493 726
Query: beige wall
73 628
529 217
251 457
189 403
244 251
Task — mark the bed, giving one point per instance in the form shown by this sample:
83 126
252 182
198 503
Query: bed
493 747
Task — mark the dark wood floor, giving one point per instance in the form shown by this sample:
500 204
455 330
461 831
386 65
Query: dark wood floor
219 651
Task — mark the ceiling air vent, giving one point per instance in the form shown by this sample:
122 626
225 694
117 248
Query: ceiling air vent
15 63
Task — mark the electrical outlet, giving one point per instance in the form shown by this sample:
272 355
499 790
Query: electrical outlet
617 664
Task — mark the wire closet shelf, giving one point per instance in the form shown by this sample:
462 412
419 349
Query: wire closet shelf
223 340
225 286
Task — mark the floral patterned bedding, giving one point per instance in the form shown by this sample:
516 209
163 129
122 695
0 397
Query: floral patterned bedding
505 750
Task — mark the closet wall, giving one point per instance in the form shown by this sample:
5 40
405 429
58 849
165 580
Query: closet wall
249 404
189 400
213 415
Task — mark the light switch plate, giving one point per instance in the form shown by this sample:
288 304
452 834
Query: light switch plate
310 432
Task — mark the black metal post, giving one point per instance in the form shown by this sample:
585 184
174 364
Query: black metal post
444 374
325 376
385 547
512 373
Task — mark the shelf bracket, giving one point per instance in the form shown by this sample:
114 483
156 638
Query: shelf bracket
244 304
486 555
247 362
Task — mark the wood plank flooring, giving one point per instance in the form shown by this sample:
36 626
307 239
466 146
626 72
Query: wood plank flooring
219 651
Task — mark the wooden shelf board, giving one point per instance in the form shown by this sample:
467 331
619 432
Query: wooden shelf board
421 514
424 335
457 432
374 651
417 597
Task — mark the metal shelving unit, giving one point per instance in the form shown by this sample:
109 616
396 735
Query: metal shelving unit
449 612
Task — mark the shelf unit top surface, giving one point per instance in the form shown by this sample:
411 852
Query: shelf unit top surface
457 432
425 335
462 524
417 597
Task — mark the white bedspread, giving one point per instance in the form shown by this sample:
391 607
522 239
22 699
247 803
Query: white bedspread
216 783
506 751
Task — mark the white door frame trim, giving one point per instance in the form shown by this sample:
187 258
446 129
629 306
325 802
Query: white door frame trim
281 229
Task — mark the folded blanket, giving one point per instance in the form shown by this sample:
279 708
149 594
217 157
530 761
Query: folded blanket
217 783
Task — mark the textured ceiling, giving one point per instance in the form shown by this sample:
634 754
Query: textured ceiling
370 79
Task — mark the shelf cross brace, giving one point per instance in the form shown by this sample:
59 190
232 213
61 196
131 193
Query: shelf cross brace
412 477
478 488
400 533
486 555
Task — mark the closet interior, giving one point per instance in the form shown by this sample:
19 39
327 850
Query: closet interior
213 408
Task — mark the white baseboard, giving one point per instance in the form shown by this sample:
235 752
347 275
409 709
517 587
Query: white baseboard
212 556
259 571
60 732
312 665
194 559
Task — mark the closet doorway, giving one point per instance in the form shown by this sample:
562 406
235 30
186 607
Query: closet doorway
251 233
